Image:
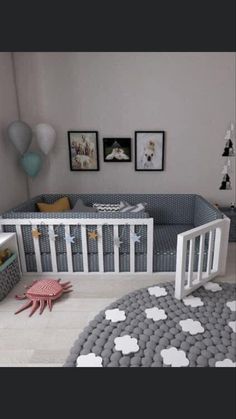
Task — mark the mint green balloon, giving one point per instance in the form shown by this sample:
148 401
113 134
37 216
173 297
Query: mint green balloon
31 163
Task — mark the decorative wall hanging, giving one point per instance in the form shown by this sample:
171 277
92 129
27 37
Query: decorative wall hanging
117 149
149 150
226 182
83 150
55 234
228 152
229 147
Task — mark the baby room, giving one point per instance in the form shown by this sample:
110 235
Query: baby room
117 209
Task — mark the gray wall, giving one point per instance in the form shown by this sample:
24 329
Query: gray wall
12 179
188 95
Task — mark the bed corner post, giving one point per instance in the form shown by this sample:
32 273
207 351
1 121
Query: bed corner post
150 233
224 241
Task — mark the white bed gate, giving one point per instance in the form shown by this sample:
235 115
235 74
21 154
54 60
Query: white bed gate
186 280
67 222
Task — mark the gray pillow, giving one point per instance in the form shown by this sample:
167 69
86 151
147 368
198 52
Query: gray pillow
81 207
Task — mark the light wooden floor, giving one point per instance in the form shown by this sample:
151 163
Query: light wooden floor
46 340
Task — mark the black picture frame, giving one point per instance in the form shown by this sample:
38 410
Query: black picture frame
119 154
149 161
89 154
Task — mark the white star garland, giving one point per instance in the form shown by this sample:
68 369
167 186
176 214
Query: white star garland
69 238
135 238
117 241
53 234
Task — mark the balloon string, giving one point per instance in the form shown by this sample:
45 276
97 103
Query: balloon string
15 85
18 111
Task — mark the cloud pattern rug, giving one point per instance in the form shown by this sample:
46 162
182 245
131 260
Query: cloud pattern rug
150 328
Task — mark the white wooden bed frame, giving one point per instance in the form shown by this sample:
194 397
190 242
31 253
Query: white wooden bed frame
185 282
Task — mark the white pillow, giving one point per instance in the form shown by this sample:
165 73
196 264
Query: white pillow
126 207
139 207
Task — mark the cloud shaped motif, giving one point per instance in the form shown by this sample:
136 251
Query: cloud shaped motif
193 301
174 357
191 326
155 314
225 363
126 344
212 286
90 360
115 315
233 326
157 291
231 305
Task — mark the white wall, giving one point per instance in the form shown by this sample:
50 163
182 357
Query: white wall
12 179
188 95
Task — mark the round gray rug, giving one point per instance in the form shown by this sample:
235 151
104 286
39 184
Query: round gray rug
150 328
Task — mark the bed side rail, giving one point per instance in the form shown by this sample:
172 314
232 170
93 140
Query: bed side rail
214 250
51 223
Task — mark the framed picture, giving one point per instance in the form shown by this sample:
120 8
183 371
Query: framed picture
149 150
117 149
83 150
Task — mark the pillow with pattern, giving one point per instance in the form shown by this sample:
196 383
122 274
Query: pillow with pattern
106 207
126 207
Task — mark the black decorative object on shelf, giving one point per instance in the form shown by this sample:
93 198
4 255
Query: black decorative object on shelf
229 149
228 153
226 183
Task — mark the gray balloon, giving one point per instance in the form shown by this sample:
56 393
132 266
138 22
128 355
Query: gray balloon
20 135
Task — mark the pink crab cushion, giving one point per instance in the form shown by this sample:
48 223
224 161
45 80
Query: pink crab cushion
42 293
47 288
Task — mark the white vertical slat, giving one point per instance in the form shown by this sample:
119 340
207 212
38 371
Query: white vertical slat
180 266
132 254
190 262
209 253
150 245
52 249
216 252
68 250
21 248
201 255
1 225
100 249
223 246
116 250
37 251
84 248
